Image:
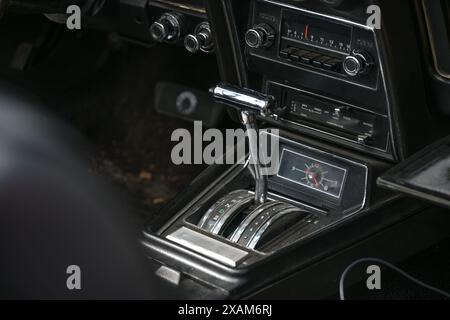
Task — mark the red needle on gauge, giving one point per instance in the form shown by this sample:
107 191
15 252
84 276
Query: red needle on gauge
307 31
315 181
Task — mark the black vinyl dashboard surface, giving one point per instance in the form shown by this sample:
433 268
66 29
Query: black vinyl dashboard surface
425 176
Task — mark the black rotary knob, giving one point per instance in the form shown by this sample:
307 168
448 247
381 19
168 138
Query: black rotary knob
167 28
260 36
201 39
359 62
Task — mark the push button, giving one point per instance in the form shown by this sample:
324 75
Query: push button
308 58
297 54
319 61
285 53
312 58
332 64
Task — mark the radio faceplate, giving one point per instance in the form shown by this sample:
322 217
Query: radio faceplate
312 41
326 73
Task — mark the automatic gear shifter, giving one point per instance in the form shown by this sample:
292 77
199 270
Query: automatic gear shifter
249 220
250 104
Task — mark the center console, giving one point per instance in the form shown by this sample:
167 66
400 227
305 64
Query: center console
312 190
316 80
322 74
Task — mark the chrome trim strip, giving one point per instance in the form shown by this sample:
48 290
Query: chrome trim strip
207 246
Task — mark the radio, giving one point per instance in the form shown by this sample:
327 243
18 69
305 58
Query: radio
324 45
305 39
325 72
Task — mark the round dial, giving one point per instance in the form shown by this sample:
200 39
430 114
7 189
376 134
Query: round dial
167 28
316 177
200 40
359 62
260 36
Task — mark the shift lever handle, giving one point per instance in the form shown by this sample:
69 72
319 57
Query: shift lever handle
243 99
250 103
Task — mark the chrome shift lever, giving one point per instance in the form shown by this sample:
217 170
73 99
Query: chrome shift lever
249 120
243 99
250 104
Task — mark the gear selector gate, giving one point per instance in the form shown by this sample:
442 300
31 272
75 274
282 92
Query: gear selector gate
247 214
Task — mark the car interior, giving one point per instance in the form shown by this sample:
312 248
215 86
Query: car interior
352 96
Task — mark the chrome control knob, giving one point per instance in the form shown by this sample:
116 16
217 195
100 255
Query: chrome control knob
200 40
359 62
260 36
167 28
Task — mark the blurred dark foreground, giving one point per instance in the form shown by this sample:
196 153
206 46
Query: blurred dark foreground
54 213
